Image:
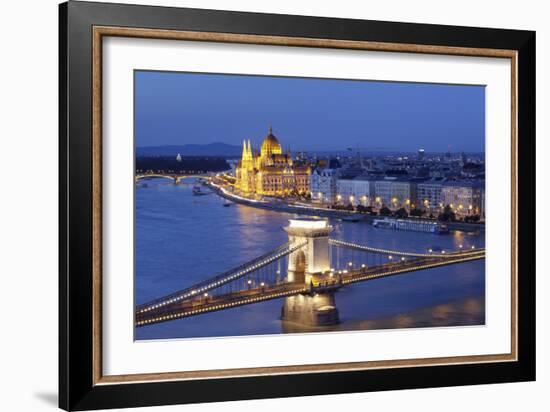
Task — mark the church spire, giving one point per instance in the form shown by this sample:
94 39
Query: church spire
249 150
243 156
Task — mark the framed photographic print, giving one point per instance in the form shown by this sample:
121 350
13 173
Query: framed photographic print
257 205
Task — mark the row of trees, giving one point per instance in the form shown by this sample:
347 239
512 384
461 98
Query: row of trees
446 215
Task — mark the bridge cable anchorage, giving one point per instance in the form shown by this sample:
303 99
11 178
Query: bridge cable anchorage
221 279
350 245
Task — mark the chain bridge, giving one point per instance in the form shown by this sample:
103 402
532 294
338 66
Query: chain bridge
307 271
175 177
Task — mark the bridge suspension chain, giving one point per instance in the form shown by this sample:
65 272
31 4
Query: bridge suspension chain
221 279
350 245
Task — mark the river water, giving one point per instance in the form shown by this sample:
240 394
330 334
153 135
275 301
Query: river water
182 239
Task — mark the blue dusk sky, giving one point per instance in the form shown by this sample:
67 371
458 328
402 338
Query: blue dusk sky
307 114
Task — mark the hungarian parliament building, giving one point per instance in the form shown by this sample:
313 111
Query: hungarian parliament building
271 172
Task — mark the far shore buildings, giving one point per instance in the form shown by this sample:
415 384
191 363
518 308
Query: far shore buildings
465 197
356 190
271 172
323 185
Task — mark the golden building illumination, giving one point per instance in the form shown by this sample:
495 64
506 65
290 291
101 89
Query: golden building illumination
271 172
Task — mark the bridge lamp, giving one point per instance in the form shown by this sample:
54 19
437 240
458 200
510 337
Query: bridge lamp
402 259
460 246
206 295
442 251
473 247
429 250
262 284
390 257
350 264
249 282
363 265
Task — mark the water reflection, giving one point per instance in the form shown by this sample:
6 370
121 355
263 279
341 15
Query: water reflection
465 312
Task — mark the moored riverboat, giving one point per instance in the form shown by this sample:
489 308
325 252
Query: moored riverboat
411 225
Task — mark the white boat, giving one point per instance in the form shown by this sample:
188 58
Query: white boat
411 225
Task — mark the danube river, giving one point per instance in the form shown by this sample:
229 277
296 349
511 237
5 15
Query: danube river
182 239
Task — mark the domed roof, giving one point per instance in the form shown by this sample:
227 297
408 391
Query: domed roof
270 144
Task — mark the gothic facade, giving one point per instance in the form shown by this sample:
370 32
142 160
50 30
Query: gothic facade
271 172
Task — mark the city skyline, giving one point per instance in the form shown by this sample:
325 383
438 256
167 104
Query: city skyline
314 114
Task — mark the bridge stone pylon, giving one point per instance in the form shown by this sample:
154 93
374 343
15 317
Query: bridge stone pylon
307 265
314 256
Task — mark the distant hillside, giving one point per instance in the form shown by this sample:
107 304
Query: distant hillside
211 149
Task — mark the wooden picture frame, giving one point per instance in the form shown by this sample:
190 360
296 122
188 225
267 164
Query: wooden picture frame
82 27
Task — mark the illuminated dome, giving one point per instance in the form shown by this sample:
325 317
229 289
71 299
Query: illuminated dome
270 145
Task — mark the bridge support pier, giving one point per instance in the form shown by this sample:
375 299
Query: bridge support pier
311 310
310 266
